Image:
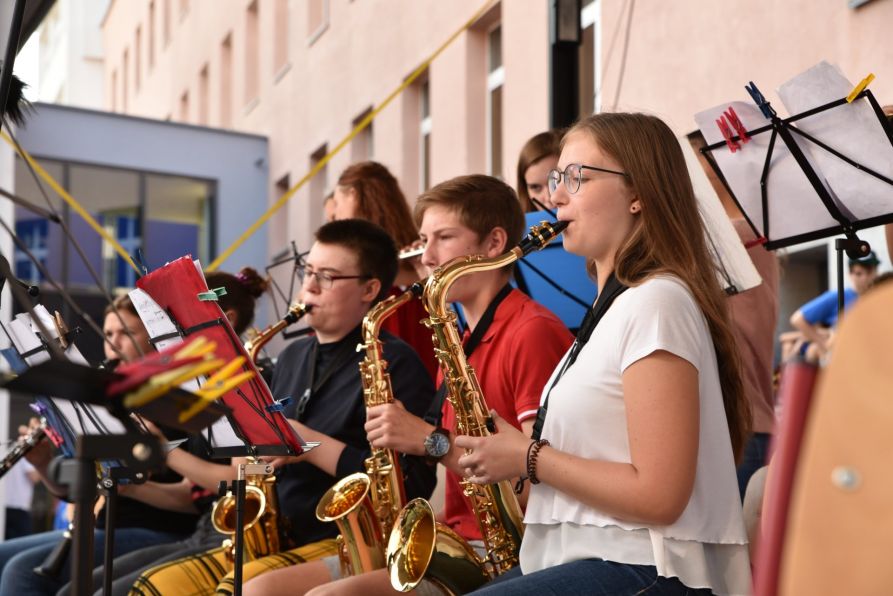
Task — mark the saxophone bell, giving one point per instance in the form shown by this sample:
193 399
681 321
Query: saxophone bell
420 547
361 543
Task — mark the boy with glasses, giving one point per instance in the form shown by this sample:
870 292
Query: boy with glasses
512 343
350 268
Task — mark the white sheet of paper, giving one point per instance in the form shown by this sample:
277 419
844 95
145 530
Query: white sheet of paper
99 420
851 129
722 240
794 206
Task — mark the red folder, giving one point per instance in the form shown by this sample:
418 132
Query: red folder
255 417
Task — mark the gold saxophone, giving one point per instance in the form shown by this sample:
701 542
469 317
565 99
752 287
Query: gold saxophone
418 546
365 506
261 512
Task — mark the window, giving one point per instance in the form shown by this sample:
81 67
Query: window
280 36
226 84
124 80
318 185
203 96
361 145
425 135
166 17
317 18
151 34
495 81
34 234
184 107
590 59
252 81
137 45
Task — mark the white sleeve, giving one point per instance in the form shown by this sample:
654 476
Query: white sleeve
664 316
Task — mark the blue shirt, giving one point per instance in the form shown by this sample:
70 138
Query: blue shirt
822 310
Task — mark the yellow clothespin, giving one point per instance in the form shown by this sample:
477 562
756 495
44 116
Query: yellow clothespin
860 87
164 382
217 385
200 346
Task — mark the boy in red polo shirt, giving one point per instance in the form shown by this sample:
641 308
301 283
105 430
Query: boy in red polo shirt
513 358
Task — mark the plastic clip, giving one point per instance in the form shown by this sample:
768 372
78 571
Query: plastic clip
212 295
736 124
279 405
860 87
759 100
727 134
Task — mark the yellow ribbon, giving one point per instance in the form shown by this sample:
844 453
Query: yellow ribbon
357 130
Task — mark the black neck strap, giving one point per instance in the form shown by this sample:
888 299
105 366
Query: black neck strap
435 413
340 355
612 289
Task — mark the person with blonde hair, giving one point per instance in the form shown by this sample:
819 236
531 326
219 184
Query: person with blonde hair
632 462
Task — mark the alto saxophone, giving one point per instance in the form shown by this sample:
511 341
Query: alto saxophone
261 528
365 506
419 547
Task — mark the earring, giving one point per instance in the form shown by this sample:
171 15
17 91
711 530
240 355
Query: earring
634 209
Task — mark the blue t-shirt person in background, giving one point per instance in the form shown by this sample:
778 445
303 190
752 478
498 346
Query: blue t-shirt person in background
816 318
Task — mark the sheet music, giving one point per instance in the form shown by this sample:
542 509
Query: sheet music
851 129
725 246
794 207
82 418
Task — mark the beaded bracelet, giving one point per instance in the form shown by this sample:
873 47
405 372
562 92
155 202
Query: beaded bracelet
532 453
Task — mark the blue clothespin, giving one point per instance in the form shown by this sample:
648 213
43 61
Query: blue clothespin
140 262
278 405
758 99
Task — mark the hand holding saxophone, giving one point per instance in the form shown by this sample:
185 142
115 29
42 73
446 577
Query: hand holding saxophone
390 426
500 456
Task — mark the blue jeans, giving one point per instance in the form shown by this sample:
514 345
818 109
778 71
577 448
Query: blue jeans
755 452
594 577
19 557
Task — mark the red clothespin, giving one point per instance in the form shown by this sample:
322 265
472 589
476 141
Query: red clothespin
727 134
756 242
736 124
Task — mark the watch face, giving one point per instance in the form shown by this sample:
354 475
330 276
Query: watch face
437 444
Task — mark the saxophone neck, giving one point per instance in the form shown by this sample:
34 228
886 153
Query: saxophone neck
377 314
295 312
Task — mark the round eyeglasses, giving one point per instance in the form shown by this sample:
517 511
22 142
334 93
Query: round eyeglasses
323 279
573 177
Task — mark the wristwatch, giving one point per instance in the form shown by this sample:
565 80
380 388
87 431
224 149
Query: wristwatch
437 444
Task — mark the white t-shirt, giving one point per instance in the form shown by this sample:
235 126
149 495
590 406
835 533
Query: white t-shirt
707 546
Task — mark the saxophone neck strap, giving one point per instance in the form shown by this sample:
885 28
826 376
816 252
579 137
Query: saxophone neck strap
612 289
435 413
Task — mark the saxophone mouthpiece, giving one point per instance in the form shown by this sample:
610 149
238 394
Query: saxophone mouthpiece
540 235
418 288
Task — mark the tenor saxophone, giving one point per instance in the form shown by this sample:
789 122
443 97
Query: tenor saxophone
261 528
419 547
365 506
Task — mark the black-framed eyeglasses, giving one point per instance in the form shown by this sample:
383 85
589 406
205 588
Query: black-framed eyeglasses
573 177
325 280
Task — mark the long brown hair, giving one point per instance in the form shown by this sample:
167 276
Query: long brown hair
537 147
669 237
380 200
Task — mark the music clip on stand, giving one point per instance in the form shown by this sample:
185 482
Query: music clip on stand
782 128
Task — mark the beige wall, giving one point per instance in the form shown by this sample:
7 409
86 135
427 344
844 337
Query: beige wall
688 55
681 57
366 50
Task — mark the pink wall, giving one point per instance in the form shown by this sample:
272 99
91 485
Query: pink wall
683 56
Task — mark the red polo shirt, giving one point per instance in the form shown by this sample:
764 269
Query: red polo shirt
513 362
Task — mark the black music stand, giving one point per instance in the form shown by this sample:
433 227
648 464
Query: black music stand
139 453
845 222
